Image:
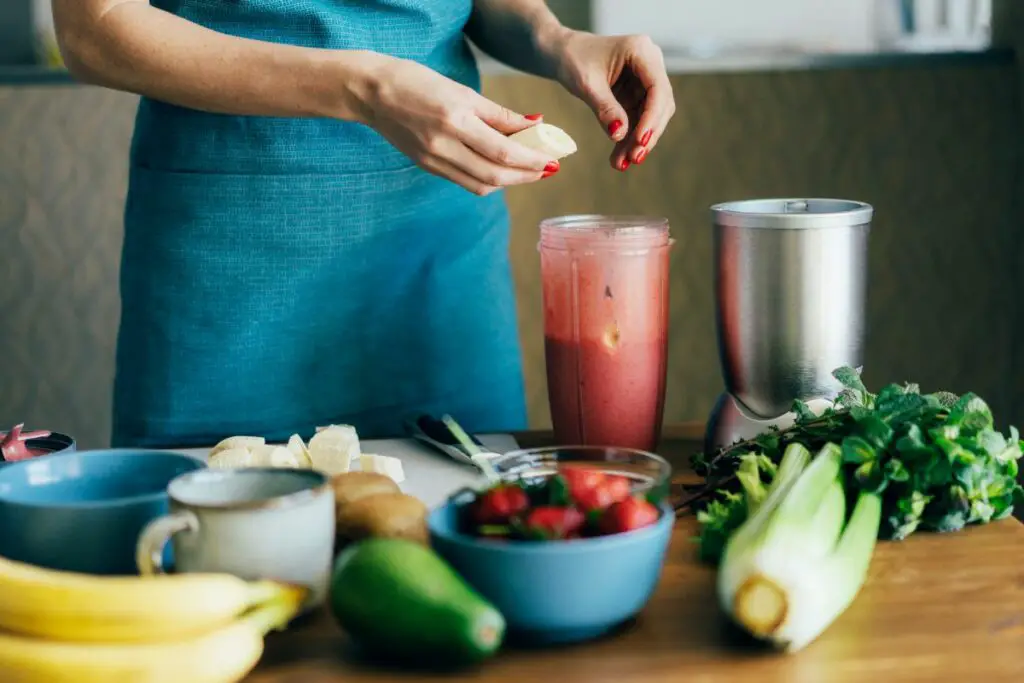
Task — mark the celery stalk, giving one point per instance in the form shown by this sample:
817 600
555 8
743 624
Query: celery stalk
749 476
793 462
794 566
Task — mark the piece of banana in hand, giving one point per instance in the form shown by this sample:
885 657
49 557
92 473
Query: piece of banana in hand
546 139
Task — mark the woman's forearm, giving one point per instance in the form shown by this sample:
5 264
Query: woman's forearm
129 45
524 34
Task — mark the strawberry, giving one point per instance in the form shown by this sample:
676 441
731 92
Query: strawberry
597 498
611 489
499 505
552 522
581 479
628 515
617 486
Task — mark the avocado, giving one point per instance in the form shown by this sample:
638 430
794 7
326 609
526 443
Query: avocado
400 601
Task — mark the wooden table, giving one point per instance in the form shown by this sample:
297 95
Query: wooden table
936 608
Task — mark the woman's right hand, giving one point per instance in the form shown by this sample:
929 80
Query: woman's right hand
451 130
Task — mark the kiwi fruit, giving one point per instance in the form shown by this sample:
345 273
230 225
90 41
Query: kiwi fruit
351 486
383 515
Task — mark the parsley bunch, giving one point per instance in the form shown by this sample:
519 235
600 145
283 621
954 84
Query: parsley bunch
936 459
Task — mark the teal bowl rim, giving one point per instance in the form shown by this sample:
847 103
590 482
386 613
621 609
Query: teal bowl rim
594 543
96 504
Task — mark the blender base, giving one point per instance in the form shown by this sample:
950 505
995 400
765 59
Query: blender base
730 421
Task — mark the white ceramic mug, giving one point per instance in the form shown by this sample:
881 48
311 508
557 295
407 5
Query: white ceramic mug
253 523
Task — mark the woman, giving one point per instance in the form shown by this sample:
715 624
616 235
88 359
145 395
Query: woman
312 232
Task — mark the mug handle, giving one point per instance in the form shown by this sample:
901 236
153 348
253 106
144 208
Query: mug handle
149 551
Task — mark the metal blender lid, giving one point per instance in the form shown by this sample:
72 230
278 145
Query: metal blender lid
792 213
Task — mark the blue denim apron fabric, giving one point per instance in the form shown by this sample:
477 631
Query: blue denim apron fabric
280 274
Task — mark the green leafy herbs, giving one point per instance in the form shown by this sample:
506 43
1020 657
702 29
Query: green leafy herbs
936 459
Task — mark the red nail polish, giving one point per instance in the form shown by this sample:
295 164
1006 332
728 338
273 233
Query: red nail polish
623 165
614 127
552 167
641 156
534 117
547 174
646 137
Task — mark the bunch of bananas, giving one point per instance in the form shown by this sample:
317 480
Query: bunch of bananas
189 628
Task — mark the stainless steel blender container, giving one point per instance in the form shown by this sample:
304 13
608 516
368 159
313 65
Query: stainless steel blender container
790 279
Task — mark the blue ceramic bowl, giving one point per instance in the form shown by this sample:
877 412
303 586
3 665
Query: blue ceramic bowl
84 511
559 591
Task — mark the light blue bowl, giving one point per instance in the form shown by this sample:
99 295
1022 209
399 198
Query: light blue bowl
558 592
83 511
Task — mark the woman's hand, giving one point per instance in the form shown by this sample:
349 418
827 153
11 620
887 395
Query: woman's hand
451 130
623 79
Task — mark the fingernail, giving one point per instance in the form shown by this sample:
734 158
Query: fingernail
534 117
552 167
614 127
548 174
646 137
623 165
641 155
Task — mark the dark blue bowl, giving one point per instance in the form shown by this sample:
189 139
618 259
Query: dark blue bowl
558 591
84 511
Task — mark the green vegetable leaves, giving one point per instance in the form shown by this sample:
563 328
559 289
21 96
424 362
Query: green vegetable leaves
726 514
718 521
936 459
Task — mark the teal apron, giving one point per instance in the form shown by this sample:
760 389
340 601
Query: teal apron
279 274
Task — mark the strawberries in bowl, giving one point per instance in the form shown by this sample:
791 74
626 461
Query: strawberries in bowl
568 543
546 496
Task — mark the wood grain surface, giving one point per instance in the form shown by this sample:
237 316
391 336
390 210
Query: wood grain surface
935 608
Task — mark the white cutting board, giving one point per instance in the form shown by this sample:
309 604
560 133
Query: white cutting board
429 475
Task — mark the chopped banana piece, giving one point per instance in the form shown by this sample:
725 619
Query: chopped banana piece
612 336
233 442
297 446
232 458
382 464
546 139
332 449
277 456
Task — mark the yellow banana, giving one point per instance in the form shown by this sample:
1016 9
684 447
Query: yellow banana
79 607
225 655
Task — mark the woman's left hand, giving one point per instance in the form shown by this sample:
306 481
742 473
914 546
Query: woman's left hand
623 79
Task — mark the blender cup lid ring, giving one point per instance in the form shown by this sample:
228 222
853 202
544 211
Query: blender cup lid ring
792 214
595 222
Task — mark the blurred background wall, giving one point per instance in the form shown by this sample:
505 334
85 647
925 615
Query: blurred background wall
930 135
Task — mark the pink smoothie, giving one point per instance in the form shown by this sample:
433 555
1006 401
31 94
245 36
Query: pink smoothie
603 398
605 322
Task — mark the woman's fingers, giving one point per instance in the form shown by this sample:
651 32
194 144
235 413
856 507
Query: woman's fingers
619 158
449 171
501 119
597 94
659 102
482 166
484 174
631 94
483 137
